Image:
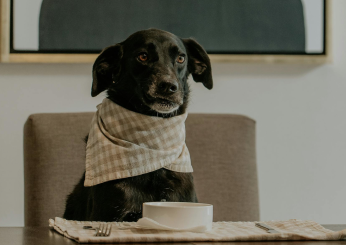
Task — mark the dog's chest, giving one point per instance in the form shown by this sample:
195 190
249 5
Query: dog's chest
160 185
155 187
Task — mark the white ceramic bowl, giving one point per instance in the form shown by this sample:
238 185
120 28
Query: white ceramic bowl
179 215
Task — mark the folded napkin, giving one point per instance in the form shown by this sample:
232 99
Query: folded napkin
123 232
146 223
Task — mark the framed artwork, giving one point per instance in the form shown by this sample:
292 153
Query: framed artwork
230 30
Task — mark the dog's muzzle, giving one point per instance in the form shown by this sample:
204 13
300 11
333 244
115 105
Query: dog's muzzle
164 97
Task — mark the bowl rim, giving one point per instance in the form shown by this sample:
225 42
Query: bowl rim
199 205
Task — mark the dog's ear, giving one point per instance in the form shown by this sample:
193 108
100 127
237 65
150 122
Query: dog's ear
198 63
105 69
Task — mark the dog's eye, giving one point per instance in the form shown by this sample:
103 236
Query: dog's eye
181 59
142 56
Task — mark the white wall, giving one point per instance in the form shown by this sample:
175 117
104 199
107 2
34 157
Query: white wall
301 126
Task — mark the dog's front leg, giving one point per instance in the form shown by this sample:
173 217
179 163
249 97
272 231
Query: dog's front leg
107 202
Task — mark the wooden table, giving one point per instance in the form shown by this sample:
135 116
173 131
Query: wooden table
45 236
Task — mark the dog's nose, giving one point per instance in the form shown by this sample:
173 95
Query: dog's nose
168 87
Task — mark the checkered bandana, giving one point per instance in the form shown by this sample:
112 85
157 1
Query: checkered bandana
123 143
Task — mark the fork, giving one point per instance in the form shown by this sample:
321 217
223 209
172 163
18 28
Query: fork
104 230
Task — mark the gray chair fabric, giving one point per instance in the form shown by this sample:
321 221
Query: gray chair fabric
222 149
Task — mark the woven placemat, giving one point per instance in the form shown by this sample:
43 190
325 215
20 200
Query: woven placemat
222 232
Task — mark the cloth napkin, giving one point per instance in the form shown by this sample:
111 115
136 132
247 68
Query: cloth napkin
146 223
124 232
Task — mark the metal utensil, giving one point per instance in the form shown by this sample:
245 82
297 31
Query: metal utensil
102 230
265 227
88 227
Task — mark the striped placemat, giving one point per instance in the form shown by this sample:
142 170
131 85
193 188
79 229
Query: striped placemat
222 231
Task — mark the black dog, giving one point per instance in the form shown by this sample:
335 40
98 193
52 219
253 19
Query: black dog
147 73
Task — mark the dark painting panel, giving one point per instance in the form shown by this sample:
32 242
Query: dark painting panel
221 26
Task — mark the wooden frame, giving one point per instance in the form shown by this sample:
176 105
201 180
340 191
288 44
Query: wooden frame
7 57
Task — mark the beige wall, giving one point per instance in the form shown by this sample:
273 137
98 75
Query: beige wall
301 125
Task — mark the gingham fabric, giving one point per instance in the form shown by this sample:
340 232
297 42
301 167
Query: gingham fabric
123 143
221 232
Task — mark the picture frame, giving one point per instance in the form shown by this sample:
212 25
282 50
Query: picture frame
8 56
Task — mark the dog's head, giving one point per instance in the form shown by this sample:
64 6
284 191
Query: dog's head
148 72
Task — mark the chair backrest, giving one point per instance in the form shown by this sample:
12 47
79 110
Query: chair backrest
222 149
